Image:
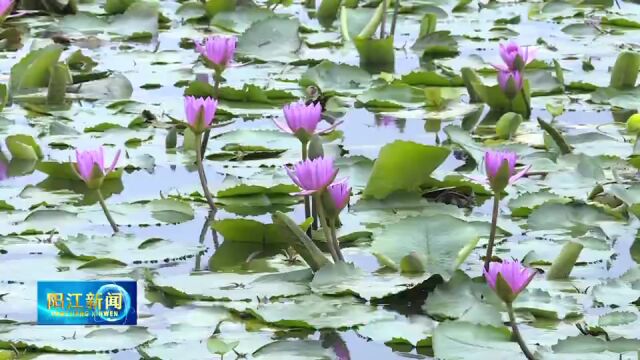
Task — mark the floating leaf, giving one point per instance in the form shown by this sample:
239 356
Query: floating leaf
427 236
171 211
271 39
338 78
457 339
396 169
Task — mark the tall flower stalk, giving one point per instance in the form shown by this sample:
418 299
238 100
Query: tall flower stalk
89 167
217 52
200 113
511 72
301 120
500 171
508 279
315 177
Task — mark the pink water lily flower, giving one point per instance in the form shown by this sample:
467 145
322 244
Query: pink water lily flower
5 7
514 274
87 161
302 120
218 50
510 54
493 162
340 193
510 82
200 112
313 175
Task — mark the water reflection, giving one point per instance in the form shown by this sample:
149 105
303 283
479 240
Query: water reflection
203 235
108 189
14 167
332 339
4 167
388 120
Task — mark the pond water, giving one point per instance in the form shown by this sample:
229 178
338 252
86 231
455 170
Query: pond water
411 142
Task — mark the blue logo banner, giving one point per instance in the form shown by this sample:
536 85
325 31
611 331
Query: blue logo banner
87 303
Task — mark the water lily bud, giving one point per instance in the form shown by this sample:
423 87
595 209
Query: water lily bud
510 82
633 124
315 147
500 169
336 198
412 264
171 140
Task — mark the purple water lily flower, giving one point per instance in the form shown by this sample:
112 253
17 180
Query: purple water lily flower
493 162
218 50
5 7
513 273
200 112
87 161
515 57
313 175
302 120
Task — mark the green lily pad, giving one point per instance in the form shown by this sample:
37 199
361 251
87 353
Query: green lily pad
125 249
573 218
457 339
85 340
327 312
233 287
414 330
396 170
293 349
344 278
392 96
336 78
271 39
428 237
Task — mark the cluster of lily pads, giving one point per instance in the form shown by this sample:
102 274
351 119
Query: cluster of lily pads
452 207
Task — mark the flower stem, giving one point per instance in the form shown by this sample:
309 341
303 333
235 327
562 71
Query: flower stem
216 85
334 238
314 214
203 235
396 10
307 198
384 19
526 104
516 333
327 232
492 234
103 205
201 174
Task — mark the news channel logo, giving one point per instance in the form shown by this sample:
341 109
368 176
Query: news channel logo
87 303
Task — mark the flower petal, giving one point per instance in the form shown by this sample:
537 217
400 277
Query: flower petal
520 174
115 161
